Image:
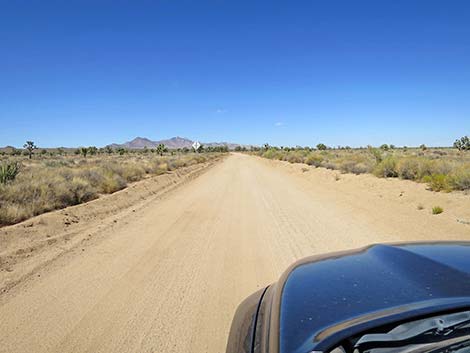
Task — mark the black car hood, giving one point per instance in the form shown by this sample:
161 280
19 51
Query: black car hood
322 298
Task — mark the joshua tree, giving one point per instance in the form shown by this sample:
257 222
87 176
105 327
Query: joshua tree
92 150
108 150
462 144
423 147
321 147
161 149
84 151
30 147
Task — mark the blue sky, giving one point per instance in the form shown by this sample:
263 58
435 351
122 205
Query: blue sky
283 72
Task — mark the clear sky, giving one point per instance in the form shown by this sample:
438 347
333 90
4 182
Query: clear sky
283 72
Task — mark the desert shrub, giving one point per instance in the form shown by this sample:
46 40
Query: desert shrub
442 167
437 182
387 168
459 179
13 213
329 165
272 154
161 168
376 153
437 210
428 167
314 159
111 182
408 168
132 172
82 191
347 166
356 164
295 157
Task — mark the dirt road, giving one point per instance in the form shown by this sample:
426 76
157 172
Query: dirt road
170 277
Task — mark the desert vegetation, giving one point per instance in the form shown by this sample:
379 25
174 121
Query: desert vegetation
33 182
443 169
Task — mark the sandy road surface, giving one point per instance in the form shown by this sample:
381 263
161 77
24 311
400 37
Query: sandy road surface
170 279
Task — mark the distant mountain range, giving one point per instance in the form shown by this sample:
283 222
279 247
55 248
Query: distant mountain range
172 143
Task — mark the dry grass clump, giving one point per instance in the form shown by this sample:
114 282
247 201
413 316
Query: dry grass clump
44 185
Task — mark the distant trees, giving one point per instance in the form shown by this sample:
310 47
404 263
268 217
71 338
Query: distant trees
462 144
322 147
121 151
223 148
423 147
85 151
15 152
29 146
240 148
385 147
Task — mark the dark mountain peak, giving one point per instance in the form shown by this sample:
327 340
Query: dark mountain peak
171 143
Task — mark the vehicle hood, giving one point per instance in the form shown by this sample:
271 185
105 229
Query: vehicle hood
324 299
